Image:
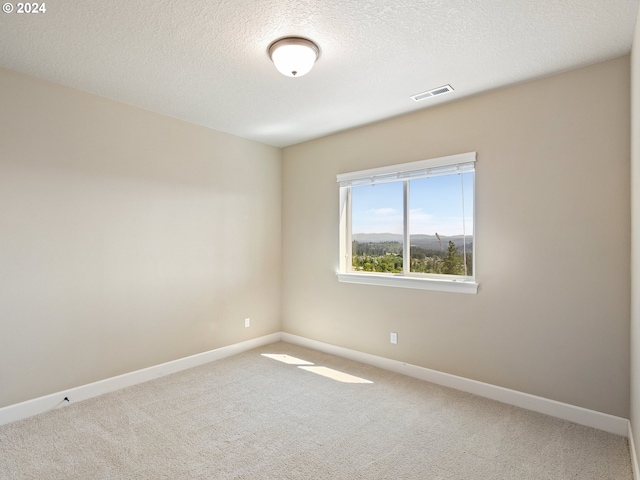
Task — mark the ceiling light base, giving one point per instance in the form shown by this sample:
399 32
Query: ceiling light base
294 56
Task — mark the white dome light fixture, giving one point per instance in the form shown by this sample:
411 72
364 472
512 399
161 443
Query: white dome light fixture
294 56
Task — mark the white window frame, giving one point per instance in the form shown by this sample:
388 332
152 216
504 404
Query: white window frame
395 173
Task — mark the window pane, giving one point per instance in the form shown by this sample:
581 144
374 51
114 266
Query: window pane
441 224
376 228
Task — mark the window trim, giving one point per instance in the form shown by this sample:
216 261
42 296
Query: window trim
394 173
408 281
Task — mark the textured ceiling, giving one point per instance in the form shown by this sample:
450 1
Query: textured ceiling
206 62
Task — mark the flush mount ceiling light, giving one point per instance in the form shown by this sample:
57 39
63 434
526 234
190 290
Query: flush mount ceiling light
293 56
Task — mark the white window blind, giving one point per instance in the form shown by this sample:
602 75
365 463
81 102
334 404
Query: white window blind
464 162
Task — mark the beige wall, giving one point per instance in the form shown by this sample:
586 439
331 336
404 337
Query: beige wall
127 238
551 317
635 236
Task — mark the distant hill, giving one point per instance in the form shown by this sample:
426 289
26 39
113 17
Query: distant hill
429 242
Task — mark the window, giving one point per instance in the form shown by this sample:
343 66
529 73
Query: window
410 225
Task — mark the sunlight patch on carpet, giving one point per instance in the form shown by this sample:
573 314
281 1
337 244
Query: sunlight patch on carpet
335 375
288 359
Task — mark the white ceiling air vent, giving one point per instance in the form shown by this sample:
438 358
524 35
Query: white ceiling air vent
432 93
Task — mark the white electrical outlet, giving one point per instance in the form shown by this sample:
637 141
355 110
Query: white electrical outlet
394 338
247 322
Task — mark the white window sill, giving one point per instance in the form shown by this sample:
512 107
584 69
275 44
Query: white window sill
439 285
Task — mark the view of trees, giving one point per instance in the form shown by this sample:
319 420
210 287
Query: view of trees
386 257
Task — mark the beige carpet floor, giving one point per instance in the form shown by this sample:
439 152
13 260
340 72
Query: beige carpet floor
255 417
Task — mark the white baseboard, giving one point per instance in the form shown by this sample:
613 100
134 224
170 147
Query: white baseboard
634 457
582 416
43 404
565 411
